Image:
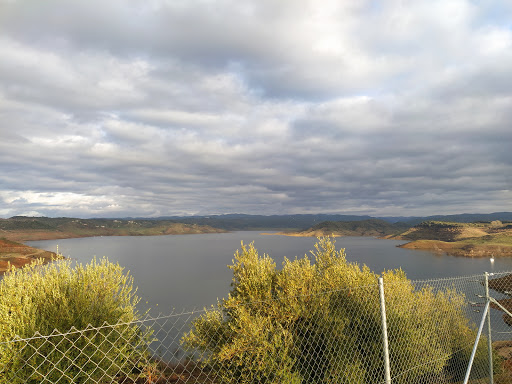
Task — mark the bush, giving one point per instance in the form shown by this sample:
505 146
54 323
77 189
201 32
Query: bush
320 323
49 299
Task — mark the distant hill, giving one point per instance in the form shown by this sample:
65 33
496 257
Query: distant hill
242 222
478 239
370 227
460 218
439 230
35 228
21 228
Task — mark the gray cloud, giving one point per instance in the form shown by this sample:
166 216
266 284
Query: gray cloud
161 108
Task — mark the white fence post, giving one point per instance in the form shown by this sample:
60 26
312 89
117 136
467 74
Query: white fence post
384 332
475 346
489 339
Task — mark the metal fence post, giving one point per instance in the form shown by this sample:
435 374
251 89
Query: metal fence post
489 339
384 332
475 346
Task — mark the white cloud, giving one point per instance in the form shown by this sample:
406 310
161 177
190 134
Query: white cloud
171 107
73 80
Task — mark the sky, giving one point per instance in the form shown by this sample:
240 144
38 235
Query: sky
148 108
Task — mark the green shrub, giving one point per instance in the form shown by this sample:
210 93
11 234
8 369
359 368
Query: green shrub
320 323
49 299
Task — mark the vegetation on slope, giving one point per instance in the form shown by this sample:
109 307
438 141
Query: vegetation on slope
479 239
241 222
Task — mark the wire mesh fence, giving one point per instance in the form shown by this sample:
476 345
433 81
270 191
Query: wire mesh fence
336 336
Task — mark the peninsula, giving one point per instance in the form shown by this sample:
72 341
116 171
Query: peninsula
17 255
479 239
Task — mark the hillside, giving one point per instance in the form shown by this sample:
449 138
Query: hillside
242 222
21 228
371 227
461 239
19 255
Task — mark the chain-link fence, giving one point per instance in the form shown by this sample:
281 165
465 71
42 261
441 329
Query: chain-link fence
432 331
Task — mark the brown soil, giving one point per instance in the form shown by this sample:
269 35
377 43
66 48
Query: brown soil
504 350
19 255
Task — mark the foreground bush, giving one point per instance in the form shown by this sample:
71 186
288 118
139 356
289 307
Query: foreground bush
54 298
320 323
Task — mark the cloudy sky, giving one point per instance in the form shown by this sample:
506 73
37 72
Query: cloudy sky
169 107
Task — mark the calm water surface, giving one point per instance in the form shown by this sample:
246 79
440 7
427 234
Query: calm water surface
190 271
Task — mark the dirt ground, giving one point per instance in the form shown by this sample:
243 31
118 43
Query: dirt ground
18 255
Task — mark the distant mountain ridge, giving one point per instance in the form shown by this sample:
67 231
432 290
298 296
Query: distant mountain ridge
245 222
21 228
233 222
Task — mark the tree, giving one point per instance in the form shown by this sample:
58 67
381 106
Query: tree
81 302
320 323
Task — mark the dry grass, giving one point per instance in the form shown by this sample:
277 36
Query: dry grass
469 232
469 240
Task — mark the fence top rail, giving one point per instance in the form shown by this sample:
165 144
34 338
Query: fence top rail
174 314
147 318
105 325
452 278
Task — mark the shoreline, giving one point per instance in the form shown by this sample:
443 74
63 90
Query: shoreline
460 249
14 252
18 255
36 235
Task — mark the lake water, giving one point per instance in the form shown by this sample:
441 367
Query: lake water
190 271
